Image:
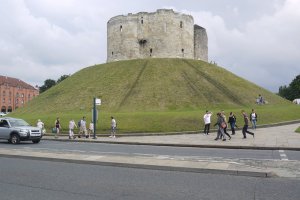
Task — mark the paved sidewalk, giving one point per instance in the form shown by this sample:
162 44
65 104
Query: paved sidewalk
279 137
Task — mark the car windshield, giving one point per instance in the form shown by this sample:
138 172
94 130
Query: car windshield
18 122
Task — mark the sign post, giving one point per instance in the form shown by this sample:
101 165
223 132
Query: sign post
96 102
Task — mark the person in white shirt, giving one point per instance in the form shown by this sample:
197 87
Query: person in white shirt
113 127
91 128
253 119
40 125
206 119
72 125
82 129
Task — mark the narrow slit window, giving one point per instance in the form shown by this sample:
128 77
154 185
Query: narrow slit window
142 20
112 53
151 52
121 28
181 24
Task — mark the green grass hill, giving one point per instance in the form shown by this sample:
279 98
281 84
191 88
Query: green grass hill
149 95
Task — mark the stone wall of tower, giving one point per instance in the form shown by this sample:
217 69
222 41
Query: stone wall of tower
201 43
161 34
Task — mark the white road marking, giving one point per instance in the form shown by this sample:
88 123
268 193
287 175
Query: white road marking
283 156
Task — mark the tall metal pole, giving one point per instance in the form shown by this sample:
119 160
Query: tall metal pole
94 117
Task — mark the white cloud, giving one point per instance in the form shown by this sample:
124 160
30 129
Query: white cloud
46 48
266 51
257 40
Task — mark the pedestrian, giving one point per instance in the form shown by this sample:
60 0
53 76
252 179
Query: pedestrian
82 129
221 125
232 122
113 127
225 128
206 119
260 99
91 128
40 125
253 119
72 125
57 127
245 128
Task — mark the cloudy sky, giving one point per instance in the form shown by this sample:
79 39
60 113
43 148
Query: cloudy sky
258 40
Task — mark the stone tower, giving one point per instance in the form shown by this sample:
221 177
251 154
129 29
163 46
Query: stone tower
161 34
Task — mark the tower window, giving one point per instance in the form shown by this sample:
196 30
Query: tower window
142 20
142 42
181 24
121 28
112 53
151 52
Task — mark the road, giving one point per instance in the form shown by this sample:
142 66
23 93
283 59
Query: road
136 150
34 180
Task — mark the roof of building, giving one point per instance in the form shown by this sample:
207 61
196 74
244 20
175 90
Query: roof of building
14 82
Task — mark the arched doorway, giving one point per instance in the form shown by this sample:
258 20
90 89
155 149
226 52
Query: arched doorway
3 109
9 109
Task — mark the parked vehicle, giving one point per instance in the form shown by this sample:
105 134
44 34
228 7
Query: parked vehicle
15 130
2 114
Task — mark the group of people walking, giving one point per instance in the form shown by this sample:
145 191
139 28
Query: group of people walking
222 124
82 126
84 131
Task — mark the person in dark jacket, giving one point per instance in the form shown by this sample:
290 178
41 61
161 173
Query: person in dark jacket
232 122
221 125
245 128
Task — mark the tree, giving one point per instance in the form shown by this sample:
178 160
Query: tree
50 83
63 77
47 84
292 91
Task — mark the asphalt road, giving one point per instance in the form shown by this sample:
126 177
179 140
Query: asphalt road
136 150
34 180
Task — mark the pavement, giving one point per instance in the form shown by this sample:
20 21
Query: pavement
272 138
281 137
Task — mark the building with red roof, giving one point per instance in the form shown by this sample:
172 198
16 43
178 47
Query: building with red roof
15 93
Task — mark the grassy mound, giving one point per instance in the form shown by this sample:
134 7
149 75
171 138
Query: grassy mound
148 95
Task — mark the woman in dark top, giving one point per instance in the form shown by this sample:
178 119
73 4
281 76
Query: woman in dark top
57 126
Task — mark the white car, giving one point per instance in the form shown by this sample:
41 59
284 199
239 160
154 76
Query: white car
2 114
15 130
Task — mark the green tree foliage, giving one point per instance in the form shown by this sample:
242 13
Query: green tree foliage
63 77
292 91
50 83
47 84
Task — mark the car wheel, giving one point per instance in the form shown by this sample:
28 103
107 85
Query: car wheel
36 141
15 139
